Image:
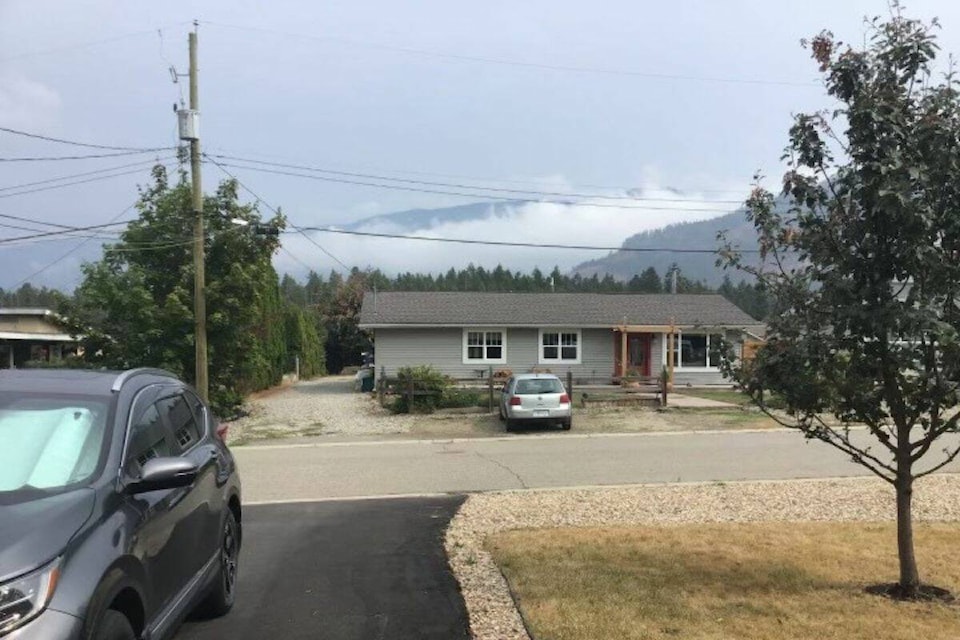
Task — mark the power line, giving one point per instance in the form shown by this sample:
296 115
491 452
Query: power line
70 184
67 237
7 225
294 256
462 194
32 221
529 245
76 248
469 186
519 63
91 156
61 232
74 143
80 175
275 212
157 246
85 45
459 176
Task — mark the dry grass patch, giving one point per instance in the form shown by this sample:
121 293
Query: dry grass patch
724 581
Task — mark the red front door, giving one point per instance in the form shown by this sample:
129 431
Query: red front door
638 353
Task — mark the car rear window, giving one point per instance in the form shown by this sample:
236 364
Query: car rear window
535 386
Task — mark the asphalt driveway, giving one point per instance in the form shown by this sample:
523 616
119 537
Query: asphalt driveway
344 570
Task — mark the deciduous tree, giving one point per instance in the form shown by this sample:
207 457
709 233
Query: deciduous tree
864 266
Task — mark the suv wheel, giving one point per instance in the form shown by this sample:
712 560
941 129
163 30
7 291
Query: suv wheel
114 626
223 592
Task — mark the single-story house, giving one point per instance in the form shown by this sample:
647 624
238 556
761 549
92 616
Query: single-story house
29 334
594 336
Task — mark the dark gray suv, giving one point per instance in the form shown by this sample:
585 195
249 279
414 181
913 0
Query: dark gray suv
119 506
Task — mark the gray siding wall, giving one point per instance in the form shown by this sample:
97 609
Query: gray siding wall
443 349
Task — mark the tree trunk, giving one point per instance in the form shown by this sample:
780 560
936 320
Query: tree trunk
909 574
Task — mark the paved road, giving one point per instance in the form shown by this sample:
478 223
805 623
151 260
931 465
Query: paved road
310 472
360 570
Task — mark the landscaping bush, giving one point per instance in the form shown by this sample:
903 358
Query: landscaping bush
428 386
456 398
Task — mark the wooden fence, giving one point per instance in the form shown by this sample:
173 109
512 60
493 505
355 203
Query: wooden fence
491 385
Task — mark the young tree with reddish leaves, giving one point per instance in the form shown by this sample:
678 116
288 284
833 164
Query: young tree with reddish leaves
862 254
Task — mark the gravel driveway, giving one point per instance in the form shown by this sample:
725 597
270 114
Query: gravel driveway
323 406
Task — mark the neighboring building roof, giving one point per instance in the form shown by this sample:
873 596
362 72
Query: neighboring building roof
31 335
408 308
25 311
31 323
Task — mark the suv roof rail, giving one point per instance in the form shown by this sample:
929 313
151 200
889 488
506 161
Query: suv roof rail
129 373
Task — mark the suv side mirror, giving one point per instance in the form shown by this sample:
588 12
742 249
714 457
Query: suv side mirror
164 473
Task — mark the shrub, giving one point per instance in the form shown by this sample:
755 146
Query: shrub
427 384
456 398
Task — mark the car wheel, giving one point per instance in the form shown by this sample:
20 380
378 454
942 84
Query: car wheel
223 592
510 424
566 424
114 626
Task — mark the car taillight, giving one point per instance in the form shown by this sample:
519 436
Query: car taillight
515 401
564 398
222 429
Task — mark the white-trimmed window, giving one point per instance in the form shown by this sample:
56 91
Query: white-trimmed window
694 350
560 346
485 345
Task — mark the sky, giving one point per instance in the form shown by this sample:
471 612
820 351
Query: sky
680 103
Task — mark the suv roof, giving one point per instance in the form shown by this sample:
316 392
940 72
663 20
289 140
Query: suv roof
83 381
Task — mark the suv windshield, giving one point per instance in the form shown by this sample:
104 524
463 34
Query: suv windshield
49 441
535 386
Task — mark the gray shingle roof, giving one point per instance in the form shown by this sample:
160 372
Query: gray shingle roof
548 309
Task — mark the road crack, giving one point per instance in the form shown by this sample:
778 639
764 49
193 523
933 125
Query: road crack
504 467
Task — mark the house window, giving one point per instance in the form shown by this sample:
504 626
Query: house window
559 346
693 350
484 345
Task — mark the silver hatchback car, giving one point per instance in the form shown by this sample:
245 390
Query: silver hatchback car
535 398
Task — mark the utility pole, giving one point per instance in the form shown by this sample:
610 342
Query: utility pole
199 268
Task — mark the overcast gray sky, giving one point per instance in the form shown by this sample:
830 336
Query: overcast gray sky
549 95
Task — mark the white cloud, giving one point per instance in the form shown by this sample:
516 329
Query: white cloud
27 104
588 223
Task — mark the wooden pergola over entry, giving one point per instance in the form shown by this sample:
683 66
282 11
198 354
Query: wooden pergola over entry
625 330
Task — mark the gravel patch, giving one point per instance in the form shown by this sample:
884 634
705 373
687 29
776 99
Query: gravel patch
493 615
323 406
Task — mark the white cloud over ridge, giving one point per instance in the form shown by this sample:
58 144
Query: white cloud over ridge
581 223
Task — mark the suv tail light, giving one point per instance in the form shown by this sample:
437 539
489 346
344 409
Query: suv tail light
222 429
564 398
515 401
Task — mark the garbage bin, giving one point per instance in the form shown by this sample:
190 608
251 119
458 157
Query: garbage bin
366 380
